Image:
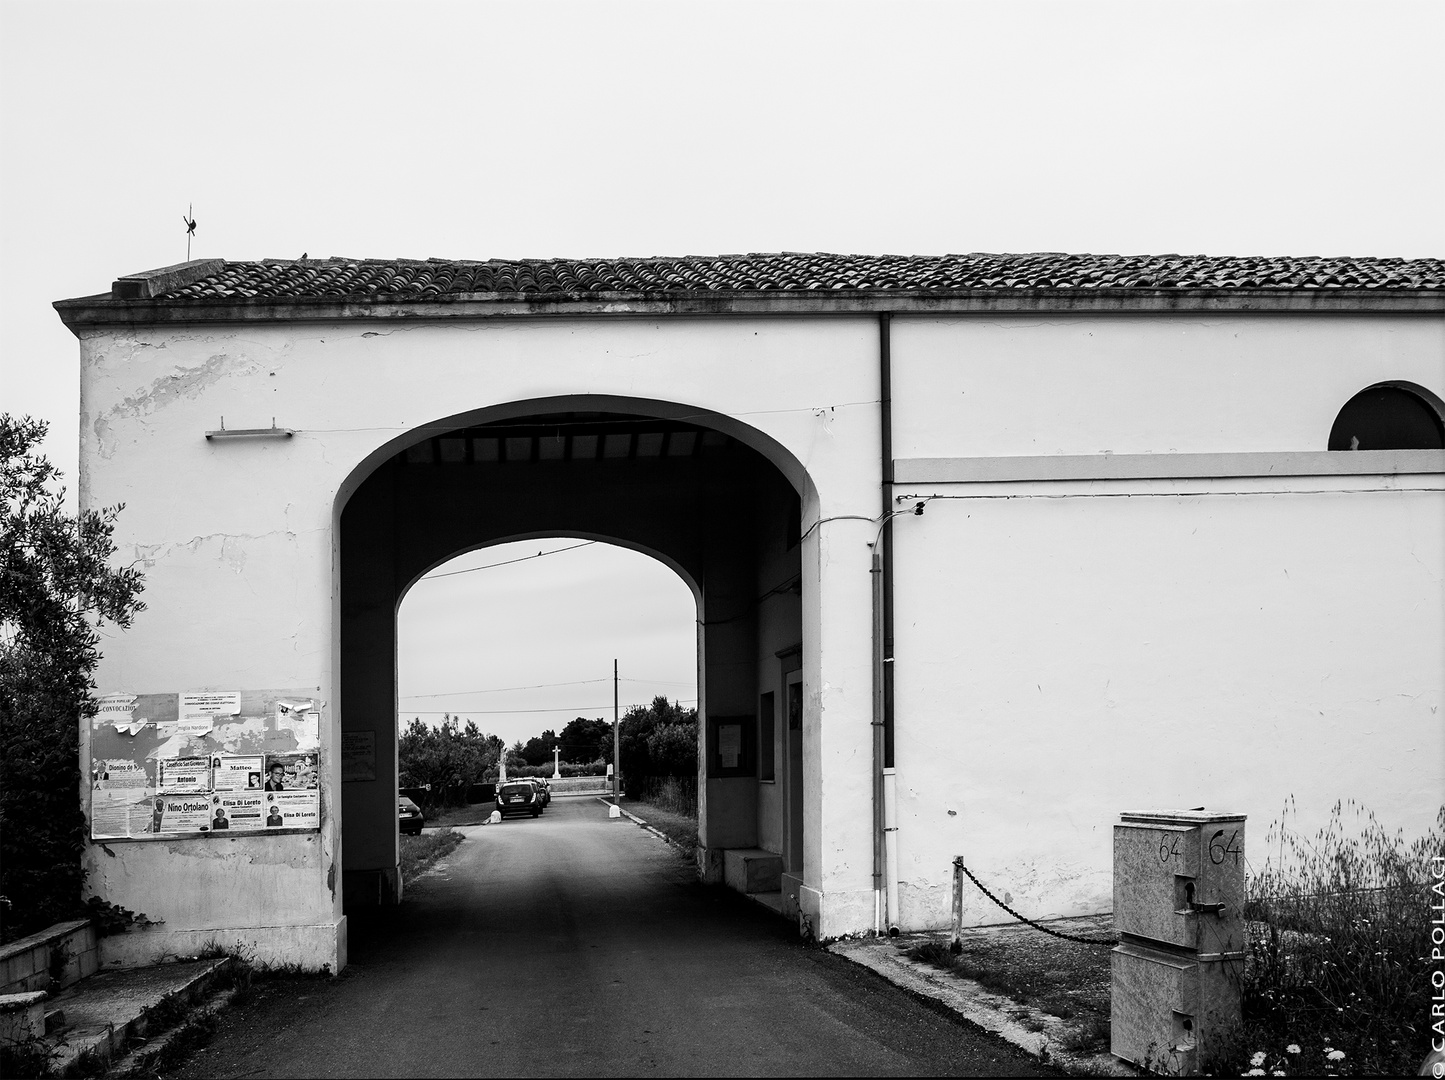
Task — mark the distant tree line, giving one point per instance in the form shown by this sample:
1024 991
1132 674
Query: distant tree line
447 760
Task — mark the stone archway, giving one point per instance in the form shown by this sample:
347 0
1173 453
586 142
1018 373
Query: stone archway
705 495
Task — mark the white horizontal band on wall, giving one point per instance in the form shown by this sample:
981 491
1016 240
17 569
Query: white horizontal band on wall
980 470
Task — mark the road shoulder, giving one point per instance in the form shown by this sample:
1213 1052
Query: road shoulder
994 1013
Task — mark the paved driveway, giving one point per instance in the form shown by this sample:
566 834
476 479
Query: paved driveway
575 945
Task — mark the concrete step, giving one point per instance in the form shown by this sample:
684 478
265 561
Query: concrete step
106 1013
773 901
753 870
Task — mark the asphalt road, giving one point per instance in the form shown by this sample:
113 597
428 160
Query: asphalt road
575 945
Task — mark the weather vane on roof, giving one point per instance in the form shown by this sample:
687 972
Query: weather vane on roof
190 221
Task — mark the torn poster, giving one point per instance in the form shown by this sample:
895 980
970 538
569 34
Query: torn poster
303 720
118 710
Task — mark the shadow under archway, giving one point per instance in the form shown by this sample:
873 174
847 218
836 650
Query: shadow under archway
701 500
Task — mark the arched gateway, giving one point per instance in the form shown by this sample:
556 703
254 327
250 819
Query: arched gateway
1139 577
661 478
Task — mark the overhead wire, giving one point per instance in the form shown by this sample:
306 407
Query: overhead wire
508 712
505 562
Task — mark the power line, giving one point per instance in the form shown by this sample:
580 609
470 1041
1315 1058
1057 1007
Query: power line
506 562
500 689
541 686
508 712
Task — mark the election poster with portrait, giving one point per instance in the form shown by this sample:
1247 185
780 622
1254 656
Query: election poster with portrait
292 772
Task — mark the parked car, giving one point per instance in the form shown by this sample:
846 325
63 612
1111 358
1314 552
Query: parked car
409 816
545 789
518 797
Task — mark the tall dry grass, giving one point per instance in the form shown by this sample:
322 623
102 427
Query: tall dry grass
672 794
1337 977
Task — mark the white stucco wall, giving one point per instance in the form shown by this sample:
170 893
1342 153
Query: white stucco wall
1144 384
1068 650
236 537
1223 640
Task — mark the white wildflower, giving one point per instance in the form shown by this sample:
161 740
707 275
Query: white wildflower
1336 1055
1292 1048
1257 1059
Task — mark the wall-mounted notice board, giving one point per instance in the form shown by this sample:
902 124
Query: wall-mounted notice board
205 763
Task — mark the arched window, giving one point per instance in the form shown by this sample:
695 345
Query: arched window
1390 416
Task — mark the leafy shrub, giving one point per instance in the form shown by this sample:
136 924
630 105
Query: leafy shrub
450 757
657 740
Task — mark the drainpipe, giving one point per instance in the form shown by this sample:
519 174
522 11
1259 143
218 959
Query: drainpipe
890 847
885 896
878 820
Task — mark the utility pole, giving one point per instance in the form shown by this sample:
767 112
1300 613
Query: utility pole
616 745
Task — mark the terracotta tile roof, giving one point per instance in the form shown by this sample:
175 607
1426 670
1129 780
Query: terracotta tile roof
401 280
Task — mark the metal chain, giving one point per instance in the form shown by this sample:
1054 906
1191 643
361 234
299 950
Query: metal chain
1110 942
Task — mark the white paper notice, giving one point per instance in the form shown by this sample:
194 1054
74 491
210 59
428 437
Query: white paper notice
236 812
119 798
237 773
118 710
195 705
293 810
302 720
120 777
730 744
115 709
193 727
184 774
183 813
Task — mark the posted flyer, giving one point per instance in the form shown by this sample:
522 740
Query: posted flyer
292 772
120 798
182 814
237 812
184 774
293 810
237 773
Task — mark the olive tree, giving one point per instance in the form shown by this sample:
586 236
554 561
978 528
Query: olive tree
57 587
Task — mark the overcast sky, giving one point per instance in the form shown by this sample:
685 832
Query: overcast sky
475 130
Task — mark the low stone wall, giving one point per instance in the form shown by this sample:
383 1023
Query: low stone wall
581 785
50 960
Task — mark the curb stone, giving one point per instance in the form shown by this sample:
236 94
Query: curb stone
637 820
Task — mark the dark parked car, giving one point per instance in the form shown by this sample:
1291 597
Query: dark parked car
519 797
408 815
545 790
